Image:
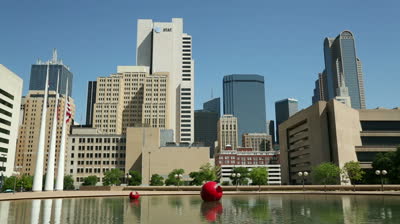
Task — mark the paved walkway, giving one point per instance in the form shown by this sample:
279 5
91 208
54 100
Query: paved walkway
78 194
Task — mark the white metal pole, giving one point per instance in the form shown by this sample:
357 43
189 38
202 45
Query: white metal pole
61 158
38 178
49 185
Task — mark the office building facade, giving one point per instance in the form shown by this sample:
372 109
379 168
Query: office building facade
10 104
28 139
227 132
92 153
283 110
213 105
205 129
91 100
333 132
343 75
131 98
163 47
244 98
56 69
257 141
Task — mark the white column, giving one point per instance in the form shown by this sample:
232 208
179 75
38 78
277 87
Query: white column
61 158
47 211
35 212
38 178
49 185
57 212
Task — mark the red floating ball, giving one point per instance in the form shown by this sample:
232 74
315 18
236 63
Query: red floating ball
211 191
133 196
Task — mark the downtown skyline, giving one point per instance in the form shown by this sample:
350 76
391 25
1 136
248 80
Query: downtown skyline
215 56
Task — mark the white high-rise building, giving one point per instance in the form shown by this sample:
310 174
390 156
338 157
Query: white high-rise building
165 48
10 106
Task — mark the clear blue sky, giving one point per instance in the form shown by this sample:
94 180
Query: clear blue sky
281 40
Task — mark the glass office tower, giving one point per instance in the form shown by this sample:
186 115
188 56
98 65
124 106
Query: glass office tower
244 98
283 110
39 71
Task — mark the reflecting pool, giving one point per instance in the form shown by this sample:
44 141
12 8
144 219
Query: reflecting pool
191 209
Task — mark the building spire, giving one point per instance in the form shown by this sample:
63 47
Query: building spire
54 58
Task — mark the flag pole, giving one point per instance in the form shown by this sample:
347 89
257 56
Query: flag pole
38 178
61 156
49 185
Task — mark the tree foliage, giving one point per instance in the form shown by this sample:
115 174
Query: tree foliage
171 180
389 161
135 179
90 181
206 173
113 177
69 183
244 174
326 173
259 176
156 180
352 170
23 182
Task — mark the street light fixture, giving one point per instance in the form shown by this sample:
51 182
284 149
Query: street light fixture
179 177
303 175
234 175
381 173
128 176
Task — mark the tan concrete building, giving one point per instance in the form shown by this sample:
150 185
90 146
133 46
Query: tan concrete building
148 152
10 103
92 153
31 109
227 131
333 132
131 98
254 140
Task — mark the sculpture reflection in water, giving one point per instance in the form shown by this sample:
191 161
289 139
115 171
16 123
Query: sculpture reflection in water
211 210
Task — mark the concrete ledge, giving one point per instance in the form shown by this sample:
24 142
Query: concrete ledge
247 188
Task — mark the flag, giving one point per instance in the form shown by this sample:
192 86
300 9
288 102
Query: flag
68 112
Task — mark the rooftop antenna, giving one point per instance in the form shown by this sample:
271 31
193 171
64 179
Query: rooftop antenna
54 59
212 94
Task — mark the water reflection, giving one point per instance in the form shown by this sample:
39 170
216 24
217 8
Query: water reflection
211 210
190 209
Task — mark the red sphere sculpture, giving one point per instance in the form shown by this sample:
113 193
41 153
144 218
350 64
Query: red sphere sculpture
133 196
211 191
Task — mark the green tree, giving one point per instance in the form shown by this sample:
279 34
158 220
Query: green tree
171 180
326 173
156 180
8 183
135 179
69 183
259 176
113 177
352 170
244 174
90 181
206 173
390 162
25 182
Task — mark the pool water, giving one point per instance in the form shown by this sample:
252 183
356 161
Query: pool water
191 209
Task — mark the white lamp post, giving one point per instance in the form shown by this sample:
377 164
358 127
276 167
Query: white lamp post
381 173
179 177
303 175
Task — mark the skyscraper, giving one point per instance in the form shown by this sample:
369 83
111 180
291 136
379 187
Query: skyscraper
10 104
205 128
213 105
91 100
271 129
343 73
38 75
227 132
164 47
283 110
131 98
244 98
